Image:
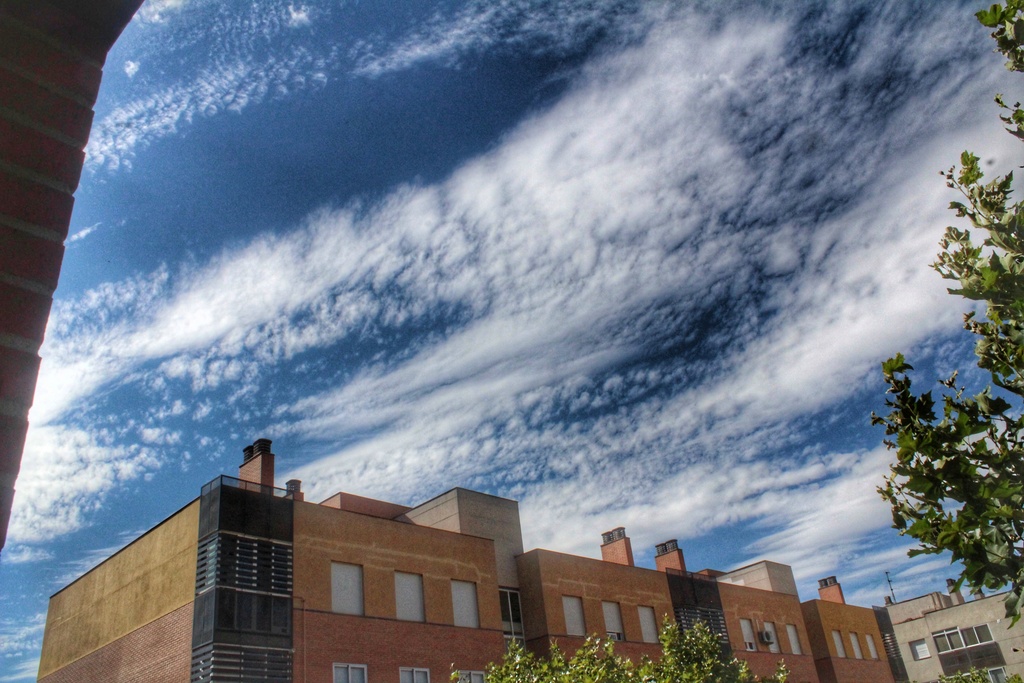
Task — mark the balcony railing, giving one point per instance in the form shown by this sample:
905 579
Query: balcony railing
236 483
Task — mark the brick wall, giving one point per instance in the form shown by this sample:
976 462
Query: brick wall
760 606
322 639
159 652
51 63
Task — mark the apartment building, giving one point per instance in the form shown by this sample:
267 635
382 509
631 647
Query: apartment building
942 633
253 582
846 639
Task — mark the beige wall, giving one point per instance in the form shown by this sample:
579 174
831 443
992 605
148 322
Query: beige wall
546 576
151 577
478 514
765 575
989 610
381 547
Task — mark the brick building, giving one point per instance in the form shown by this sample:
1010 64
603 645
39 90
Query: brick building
253 582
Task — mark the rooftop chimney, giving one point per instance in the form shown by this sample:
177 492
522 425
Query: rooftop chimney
668 557
615 547
257 463
294 487
829 590
888 600
954 594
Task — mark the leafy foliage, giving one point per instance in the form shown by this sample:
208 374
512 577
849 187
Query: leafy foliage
976 676
958 482
693 656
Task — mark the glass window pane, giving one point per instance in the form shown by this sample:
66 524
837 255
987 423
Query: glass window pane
969 636
748 634
855 642
997 675
983 632
340 673
357 674
405 675
941 642
421 676
955 641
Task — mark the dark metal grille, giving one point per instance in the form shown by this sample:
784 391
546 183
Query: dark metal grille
713 618
219 663
238 562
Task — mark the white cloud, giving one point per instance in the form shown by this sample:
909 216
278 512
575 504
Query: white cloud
159 11
131 68
66 474
298 16
83 233
630 219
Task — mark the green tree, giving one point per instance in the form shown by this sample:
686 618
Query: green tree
693 656
976 676
958 481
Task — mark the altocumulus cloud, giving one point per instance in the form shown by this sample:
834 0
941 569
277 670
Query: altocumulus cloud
642 290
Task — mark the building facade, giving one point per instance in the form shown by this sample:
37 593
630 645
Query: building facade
253 582
942 633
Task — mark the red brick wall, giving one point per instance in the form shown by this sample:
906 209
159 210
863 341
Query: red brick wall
384 645
51 63
743 602
569 645
159 652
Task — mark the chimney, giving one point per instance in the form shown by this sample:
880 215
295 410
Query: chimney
888 600
668 557
829 590
954 594
257 463
615 547
294 487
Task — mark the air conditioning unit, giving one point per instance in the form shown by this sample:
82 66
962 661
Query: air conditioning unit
765 637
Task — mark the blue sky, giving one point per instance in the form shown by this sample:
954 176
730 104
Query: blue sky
630 263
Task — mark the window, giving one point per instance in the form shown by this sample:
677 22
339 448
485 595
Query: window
409 598
574 623
855 642
349 673
612 620
408 675
748 634
837 638
794 639
464 604
997 675
919 649
346 588
471 677
771 637
872 650
957 638
511 615
648 624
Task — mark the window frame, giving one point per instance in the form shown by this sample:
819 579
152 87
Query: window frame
794 639
473 622
614 610
413 670
414 615
466 676
747 631
858 653
872 647
339 665
914 651
336 583
574 600
648 623
837 640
